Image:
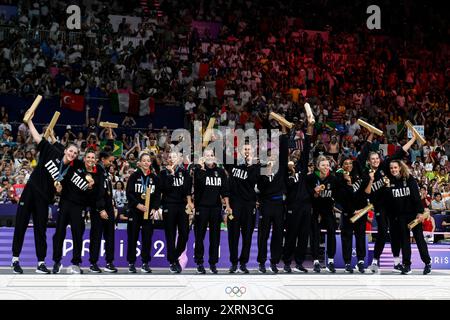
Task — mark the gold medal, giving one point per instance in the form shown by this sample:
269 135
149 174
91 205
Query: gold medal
322 187
90 180
143 196
230 214
57 184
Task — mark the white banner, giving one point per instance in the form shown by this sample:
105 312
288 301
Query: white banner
420 129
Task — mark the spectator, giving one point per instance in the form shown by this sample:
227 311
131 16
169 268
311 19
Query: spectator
119 196
426 199
163 137
4 125
18 187
429 227
79 139
437 204
92 123
30 159
128 122
6 195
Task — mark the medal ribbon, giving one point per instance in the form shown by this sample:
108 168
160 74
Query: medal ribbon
144 186
61 173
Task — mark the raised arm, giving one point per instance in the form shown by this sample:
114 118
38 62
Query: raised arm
99 114
110 138
302 165
102 134
409 144
87 115
284 150
400 153
34 133
129 151
364 152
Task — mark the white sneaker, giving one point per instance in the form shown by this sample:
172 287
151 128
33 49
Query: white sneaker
74 269
374 268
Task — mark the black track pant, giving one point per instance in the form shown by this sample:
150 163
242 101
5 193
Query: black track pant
382 229
136 222
204 217
69 214
31 205
329 222
175 219
394 234
101 227
347 230
242 223
271 215
400 224
298 224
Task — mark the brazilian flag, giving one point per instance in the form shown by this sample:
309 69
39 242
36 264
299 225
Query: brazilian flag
118 147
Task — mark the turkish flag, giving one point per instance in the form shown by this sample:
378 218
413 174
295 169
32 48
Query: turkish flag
72 101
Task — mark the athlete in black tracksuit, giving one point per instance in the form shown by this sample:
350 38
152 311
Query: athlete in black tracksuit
243 179
37 196
298 213
353 196
377 197
76 194
102 217
272 190
323 204
404 206
137 184
210 183
176 187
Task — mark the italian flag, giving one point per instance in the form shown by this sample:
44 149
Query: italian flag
388 149
126 101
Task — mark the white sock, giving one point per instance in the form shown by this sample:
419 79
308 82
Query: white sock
375 261
396 261
331 260
316 261
14 259
40 262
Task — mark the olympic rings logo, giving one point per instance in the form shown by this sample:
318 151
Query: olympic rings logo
235 291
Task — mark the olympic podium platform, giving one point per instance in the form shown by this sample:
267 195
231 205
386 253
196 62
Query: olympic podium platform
160 285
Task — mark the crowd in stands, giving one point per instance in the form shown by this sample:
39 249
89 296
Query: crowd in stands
259 61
